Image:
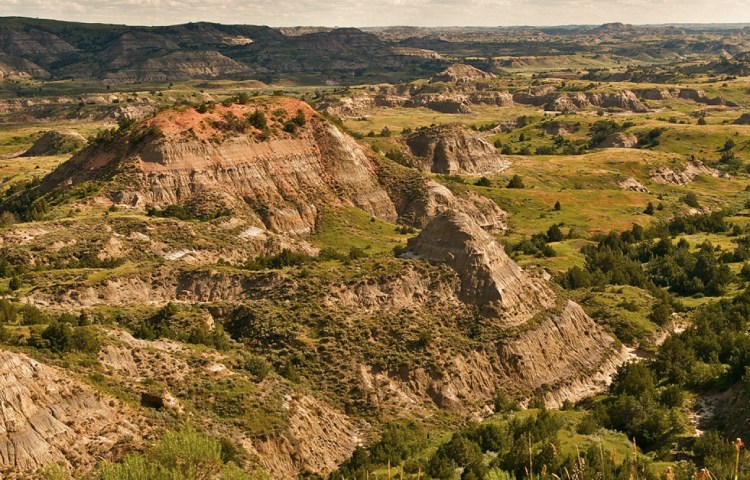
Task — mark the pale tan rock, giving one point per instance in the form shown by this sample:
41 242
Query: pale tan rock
489 278
454 149
47 416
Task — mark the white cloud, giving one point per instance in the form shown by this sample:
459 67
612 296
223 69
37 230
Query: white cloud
383 12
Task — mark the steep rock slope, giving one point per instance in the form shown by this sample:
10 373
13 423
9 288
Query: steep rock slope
452 149
217 160
557 349
46 417
489 278
438 198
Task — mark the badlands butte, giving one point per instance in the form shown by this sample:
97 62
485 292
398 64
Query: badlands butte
243 252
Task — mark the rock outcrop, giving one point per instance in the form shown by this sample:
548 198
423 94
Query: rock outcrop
656 93
437 198
49 417
56 143
620 140
633 185
666 175
699 96
217 158
489 278
318 439
89 108
572 102
443 103
558 348
498 99
743 120
452 149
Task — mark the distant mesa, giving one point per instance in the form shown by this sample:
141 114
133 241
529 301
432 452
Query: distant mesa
461 73
614 27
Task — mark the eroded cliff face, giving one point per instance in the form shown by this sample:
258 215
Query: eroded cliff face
564 356
318 440
553 349
467 88
47 416
489 278
438 198
419 199
666 175
453 149
282 179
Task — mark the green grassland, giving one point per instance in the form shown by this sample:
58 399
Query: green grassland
348 228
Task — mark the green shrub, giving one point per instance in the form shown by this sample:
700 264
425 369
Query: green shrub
691 199
8 312
483 182
516 182
62 337
191 455
258 120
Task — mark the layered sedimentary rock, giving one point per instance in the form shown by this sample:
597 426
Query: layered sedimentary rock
489 278
217 158
557 349
452 149
620 140
49 417
666 175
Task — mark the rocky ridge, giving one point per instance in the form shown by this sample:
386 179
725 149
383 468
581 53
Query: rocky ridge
461 73
457 94
505 293
489 278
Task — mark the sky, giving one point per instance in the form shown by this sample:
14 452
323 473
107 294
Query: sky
367 13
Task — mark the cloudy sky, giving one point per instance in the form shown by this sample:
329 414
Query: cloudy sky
384 12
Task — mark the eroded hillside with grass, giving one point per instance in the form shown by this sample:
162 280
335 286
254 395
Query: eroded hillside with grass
507 266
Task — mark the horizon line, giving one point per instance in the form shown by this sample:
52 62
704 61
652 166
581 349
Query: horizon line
434 27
